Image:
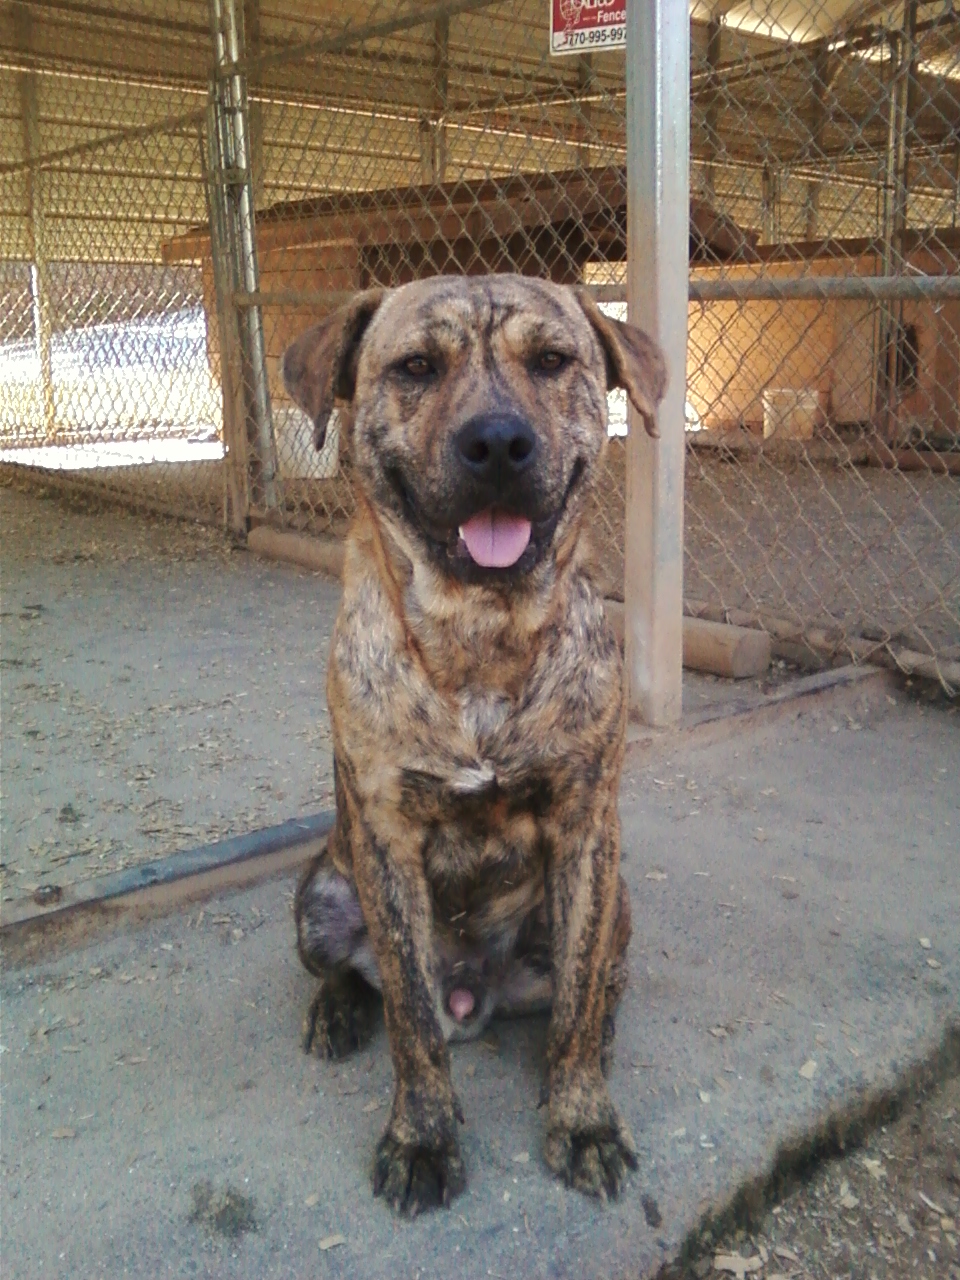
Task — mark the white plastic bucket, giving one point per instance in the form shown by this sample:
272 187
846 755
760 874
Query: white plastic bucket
790 414
297 457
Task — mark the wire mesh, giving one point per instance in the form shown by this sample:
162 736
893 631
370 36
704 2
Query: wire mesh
822 484
104 376
402 141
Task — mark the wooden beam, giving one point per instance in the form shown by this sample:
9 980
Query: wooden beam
736 653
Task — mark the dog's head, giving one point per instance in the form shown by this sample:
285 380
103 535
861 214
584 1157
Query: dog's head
477 410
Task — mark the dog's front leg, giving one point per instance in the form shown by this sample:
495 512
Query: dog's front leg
418 1163
588 1145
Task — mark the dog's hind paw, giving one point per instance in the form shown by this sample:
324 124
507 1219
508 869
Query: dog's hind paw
341 1017
413 1178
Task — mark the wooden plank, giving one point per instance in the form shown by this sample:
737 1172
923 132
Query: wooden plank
715 647
321 554
723 650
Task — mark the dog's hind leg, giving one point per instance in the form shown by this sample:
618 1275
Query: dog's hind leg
333 945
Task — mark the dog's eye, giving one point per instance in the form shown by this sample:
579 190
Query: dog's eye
418 367
550 361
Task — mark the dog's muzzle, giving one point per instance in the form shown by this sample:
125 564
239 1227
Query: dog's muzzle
496 451
496 526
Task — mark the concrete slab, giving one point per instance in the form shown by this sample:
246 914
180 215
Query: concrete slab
781 884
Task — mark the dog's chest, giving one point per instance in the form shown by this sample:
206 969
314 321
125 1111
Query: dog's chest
484 859
485 718
492 774
482 818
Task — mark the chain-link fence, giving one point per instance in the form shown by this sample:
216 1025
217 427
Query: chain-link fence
104 377
186 186
823 491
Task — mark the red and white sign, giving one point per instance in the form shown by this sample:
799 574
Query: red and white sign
585 26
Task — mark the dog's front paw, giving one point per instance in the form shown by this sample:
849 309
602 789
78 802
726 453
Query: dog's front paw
342 1016
411 1177
418 1164
594 1163
588 1145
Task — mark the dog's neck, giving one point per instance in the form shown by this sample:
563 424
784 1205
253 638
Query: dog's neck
470 635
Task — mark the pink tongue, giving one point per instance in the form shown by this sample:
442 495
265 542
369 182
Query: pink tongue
494 539
461 1003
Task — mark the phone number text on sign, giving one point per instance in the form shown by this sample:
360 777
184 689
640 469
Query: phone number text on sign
580 26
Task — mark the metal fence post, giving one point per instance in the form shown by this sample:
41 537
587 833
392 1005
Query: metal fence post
235 462
39 272
658 204
235 178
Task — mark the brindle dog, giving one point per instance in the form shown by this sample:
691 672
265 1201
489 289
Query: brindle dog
477 704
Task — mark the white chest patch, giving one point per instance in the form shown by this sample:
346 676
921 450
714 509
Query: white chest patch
473 778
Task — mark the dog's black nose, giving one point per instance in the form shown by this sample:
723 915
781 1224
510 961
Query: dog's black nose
496 446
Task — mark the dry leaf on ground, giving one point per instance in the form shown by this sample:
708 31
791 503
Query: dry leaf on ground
735 1265
931 1204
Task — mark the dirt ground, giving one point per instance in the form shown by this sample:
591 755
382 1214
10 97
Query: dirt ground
866 551
161 690
796 942
888 1210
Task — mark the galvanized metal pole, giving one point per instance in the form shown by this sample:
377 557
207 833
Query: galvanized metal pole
230 102
585 87
658 204
894 214
821 69
712 112
235 462
39 272
926 288
252 44
433 128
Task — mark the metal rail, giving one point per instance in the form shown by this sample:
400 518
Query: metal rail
810 289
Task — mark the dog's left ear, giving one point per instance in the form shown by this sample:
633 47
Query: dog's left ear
321 366
634 361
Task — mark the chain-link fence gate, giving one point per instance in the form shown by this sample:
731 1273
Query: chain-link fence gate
187 185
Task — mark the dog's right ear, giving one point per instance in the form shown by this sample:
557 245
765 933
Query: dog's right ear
634 361
321 366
